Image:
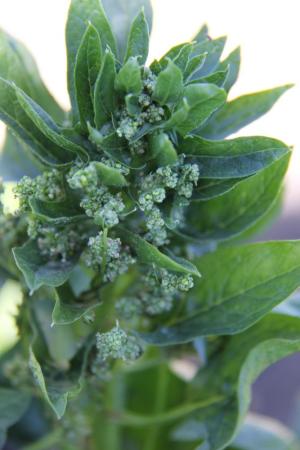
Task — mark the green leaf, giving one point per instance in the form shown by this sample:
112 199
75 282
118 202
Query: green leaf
104 99
212 188
232 61
109 176
121 14
13 405
202 34
218 78
162 149
239 285
37 271
13 114
47 126
129 78
80 14
68 309
149 254
169 85
233 213
179 54
16 159
202 101
56 394
17 65
138 39
233 158
240 112
243 358
57 213
87 67
214 49
194 65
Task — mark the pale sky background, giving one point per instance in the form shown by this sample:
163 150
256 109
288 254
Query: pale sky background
268 32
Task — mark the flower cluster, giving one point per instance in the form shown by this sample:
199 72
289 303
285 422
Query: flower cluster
117 344
109 255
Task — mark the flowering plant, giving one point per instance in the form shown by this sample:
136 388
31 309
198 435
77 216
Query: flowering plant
125 241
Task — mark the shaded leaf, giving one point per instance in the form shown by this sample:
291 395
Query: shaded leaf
212 188
56 212
104 99
37 271
13 405
240 112
233 62
109 176
162 149
214 49
138 39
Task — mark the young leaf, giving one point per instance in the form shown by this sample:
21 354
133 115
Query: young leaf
194 65
218 78
47 126
121 14
129 78
228 216
240 112
202 100
87 66
214 49
162 149
233 158
17 65
275 274
13 405
149 254
232 61
109 176
82 12
104 97
169 85
138 39
37 271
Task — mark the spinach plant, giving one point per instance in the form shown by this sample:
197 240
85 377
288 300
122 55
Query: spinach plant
127 244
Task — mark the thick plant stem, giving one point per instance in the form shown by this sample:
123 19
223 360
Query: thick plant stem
160 403
114 402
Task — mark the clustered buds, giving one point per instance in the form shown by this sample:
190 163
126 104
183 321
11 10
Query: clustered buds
117 344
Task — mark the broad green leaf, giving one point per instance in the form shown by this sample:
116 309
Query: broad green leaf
68 309
13 405
129 78
121 14
162 149
87 67
82 12
13 114
202 34
37 270
16 159
218 78
149 254
239 285
109 176
202 100
57 213
194 65
138 39
234 158
169 85
17 65
56 394
212 188
232 61
175 53
240 112
233 371
104 98
214 49
47 126
233 213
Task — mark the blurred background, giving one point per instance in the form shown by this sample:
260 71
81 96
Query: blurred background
269 35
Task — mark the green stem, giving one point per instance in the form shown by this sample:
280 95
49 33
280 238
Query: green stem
46 442
160 403
128 418
114 401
